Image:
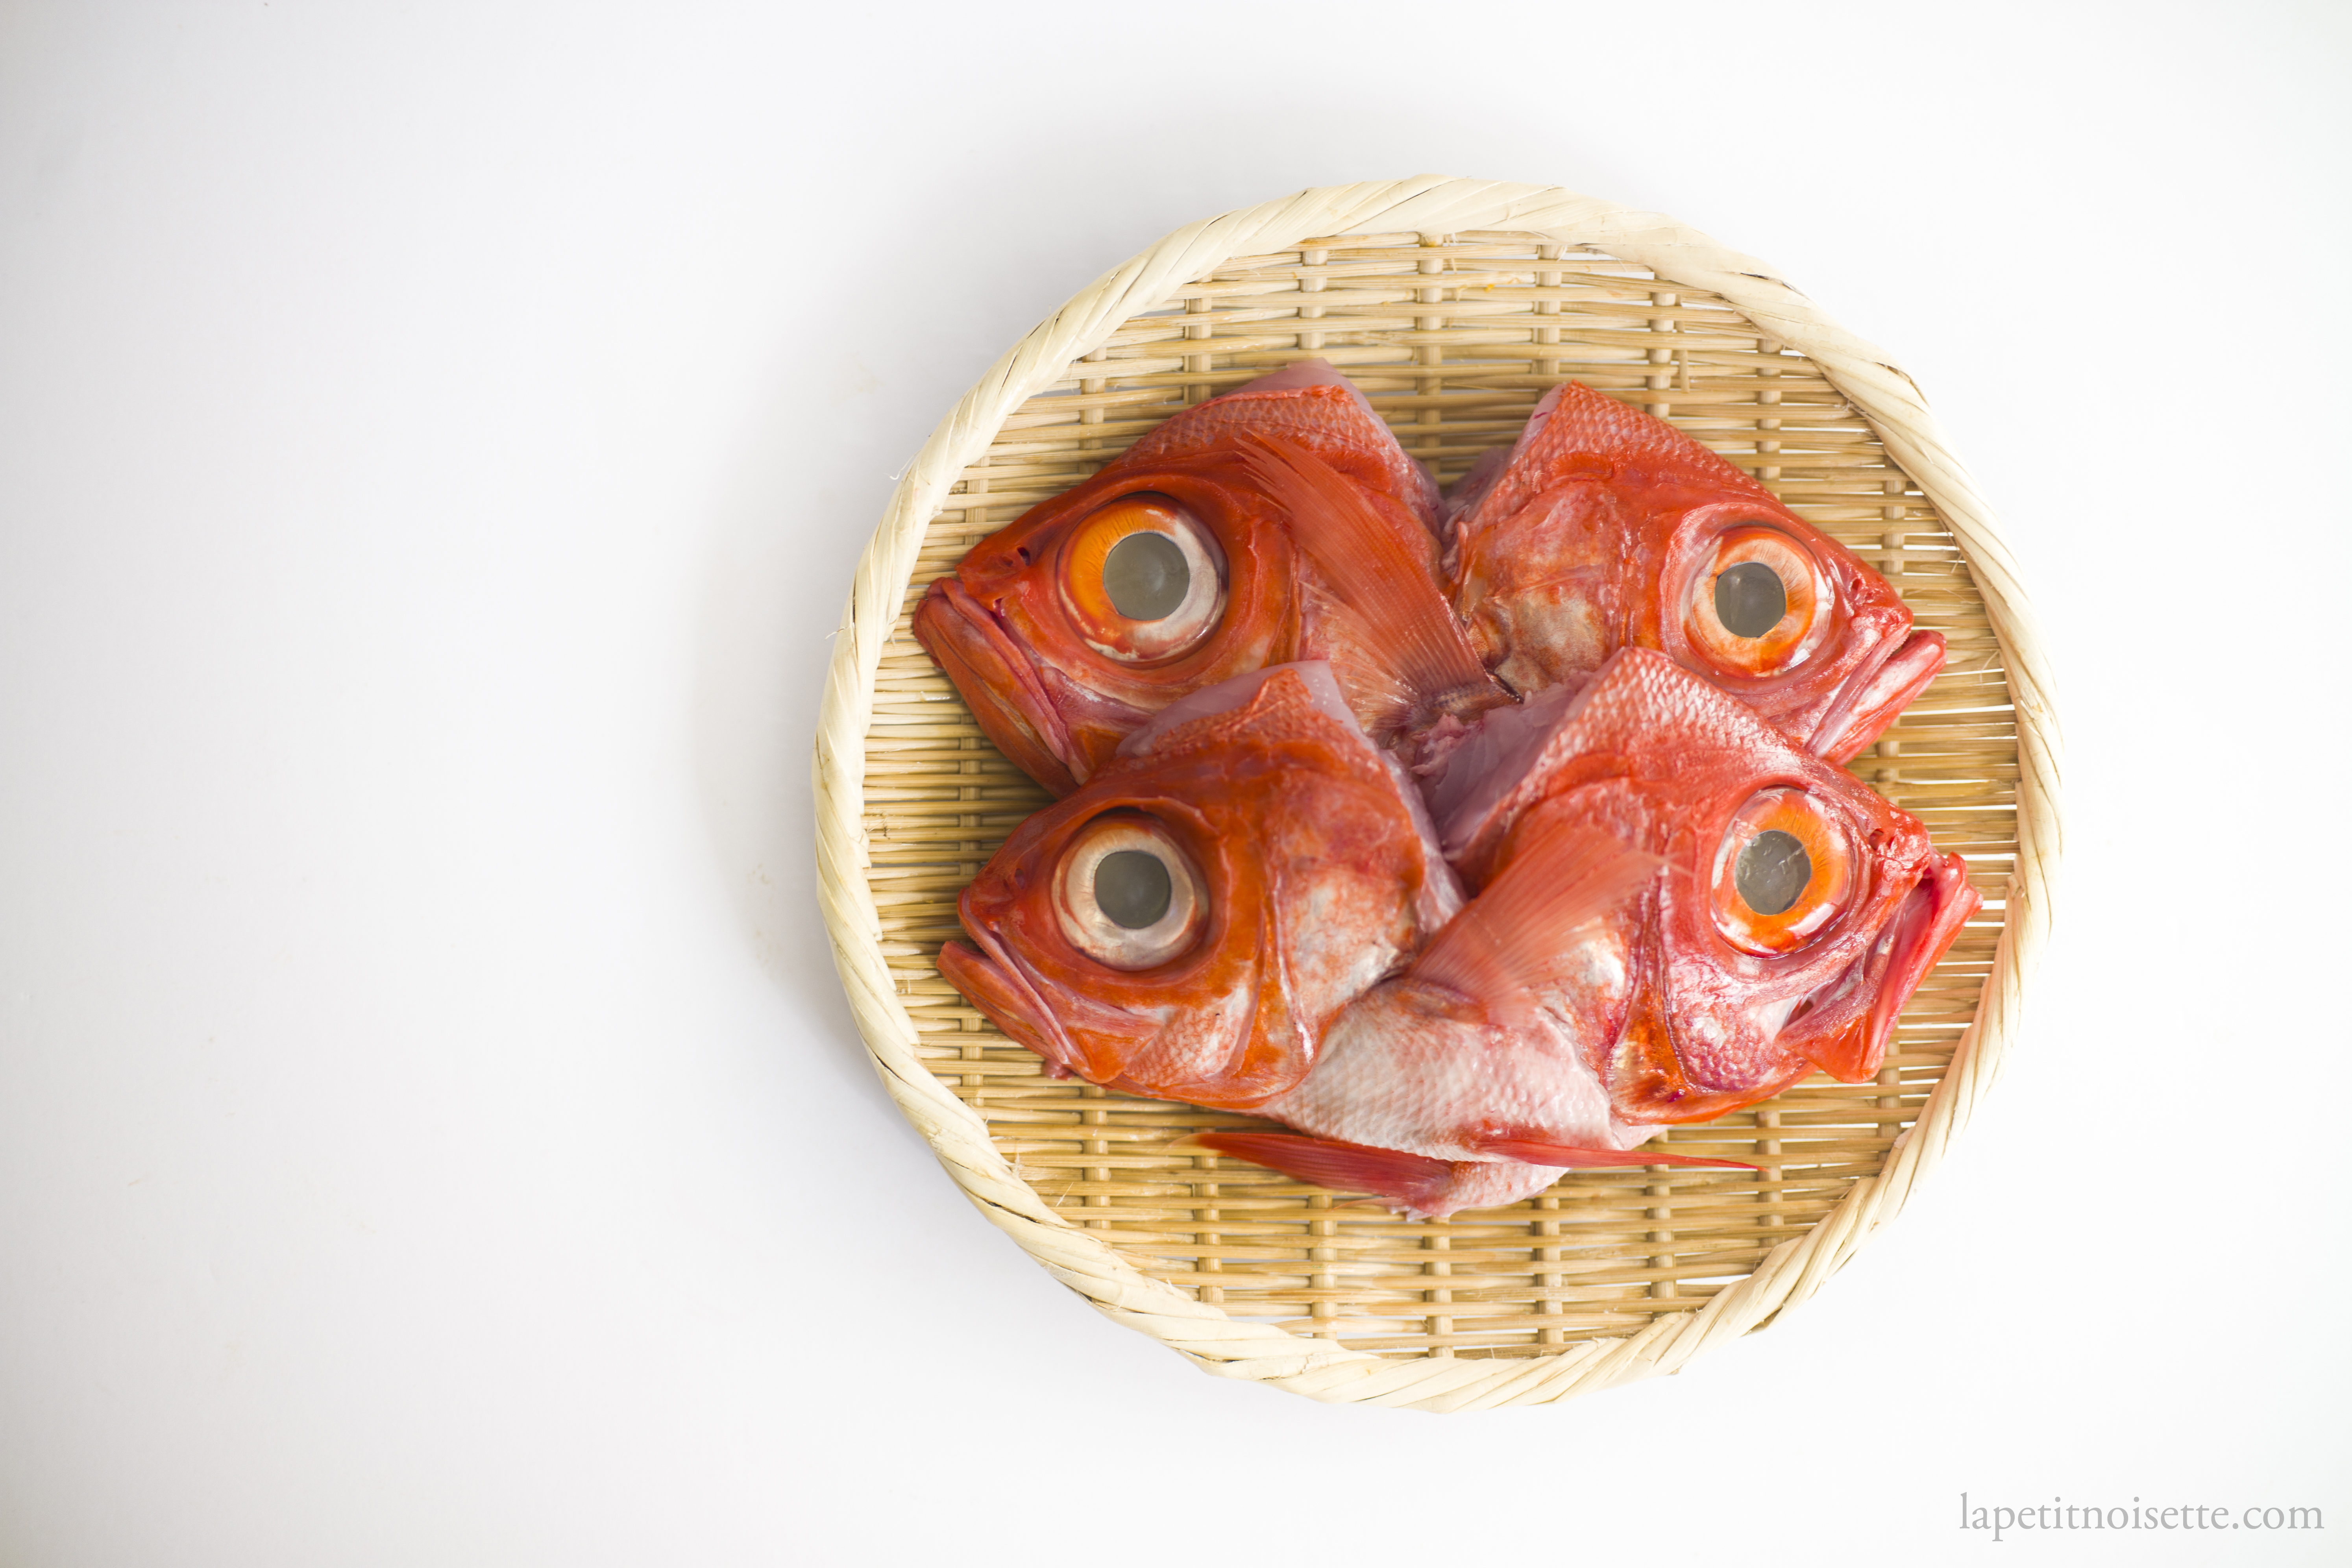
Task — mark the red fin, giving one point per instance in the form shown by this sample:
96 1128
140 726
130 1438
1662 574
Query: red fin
1413 1181
1536 1153
1379 571
1517 935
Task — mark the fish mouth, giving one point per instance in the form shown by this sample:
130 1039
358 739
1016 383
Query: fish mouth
997 682
1923 929
1871 697
993 981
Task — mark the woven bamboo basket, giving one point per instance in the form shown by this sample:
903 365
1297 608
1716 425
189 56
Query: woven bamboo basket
1455 304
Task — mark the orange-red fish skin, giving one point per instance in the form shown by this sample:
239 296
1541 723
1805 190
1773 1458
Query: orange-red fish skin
1583 1000
1064 712
1585 540
1322 877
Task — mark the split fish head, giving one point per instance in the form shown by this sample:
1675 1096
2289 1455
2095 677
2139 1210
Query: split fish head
1605 528
1169 572
1186 924
1793 913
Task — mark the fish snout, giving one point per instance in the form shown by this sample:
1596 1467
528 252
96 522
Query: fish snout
1011 1005
1914 940
1917 937
997 682
1873 697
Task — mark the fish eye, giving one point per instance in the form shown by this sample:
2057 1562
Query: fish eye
1772 871
1750 598
1760 605
1147 576
1144 579
1784 870
1128 896
1133 888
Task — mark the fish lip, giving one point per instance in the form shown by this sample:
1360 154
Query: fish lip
1914 938
1924 936
998 681
1851 723
993 978
1922 931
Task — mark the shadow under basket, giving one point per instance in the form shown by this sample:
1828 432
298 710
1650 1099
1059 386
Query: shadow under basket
1453 304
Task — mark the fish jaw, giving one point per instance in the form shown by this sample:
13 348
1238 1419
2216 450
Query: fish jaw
997 988
1709 1031
1869 702
1077 1035
1912 943
999 683
1001 627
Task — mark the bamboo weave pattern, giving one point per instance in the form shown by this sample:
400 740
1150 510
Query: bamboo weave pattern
1453 333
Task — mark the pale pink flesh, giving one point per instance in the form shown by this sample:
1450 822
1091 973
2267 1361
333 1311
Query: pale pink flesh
1408 1068
1471 778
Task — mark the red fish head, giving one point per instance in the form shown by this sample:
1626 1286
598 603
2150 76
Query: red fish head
1171 571
1605 528
1185 925
1795 913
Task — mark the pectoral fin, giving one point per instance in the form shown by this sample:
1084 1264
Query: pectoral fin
1379 565
1409 1181
1522 930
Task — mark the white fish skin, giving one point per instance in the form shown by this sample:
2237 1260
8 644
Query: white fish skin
1419 1068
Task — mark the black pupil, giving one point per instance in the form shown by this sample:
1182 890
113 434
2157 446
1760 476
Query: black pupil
1748 600
1772 871
1146 576
1131 887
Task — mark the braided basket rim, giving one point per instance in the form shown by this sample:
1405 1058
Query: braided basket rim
1876 388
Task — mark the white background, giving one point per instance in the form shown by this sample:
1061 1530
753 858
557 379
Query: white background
435 441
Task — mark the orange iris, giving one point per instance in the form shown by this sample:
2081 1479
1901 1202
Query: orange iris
1729 617
1784 870
1144 579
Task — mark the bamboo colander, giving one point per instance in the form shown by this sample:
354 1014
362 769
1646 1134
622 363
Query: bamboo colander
1455 304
